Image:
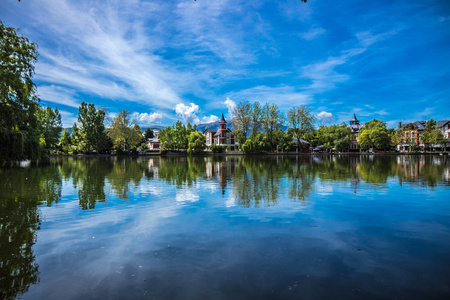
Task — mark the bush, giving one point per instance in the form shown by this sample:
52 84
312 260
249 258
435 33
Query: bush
217 148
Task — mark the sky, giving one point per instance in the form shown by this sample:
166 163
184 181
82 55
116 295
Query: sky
170 60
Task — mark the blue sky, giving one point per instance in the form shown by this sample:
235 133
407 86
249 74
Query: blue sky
192 60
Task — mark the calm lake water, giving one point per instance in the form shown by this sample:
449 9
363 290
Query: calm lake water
319 227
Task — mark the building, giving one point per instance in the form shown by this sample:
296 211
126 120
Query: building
413 134
154 143
221 136
355 128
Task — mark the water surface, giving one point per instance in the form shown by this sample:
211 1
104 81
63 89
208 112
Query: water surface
305 227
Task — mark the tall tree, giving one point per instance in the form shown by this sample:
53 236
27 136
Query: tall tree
65 140
148 133
50 126
374 134
92 127
300 121
19 136
242 116
120 130
272 119
256 117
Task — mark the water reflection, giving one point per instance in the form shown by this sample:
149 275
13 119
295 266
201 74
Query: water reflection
249 182
22 190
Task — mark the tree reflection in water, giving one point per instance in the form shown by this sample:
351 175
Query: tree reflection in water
251 181
22 190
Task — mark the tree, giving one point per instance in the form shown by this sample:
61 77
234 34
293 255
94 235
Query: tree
285 140
271 121
301 121
374 134
65 141
19 135
135 138
92 127
242 117
256 117
148 134
167 138
197 142
77 139
49 126
256 143
240 137
123 132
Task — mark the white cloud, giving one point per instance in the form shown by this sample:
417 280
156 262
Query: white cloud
210 119
105 50
145 118
312 33
59 95
326 117
68 118
231 105
188 112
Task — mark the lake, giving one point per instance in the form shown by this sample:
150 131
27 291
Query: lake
271 227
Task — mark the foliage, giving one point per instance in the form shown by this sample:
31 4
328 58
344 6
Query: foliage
92 133
240 137
256 117
242 117
334 136
301 121
176 136
285 140
272 119
197 142
217 148
65 141
19 130
50 126
256 143
123 133
167 138
374 134
148 134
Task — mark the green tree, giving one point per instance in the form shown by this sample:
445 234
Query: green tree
50 126
240 137
300 121
167 138
197 142
374 134
256 143
77 138
19 130
148 134
242 117
65 141
124 133
92 127
256 117
272 120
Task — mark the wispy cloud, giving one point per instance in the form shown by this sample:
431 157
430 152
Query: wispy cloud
312 33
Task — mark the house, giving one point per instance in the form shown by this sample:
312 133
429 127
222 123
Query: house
355 128
221 136
413 133
154 143
444 127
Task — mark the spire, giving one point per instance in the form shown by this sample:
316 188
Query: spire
222 119
354 118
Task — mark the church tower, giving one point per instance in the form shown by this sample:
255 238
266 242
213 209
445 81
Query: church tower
222 131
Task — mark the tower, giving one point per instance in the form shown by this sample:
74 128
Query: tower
354 121
222 131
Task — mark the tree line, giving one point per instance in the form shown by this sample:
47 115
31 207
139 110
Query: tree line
30 131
